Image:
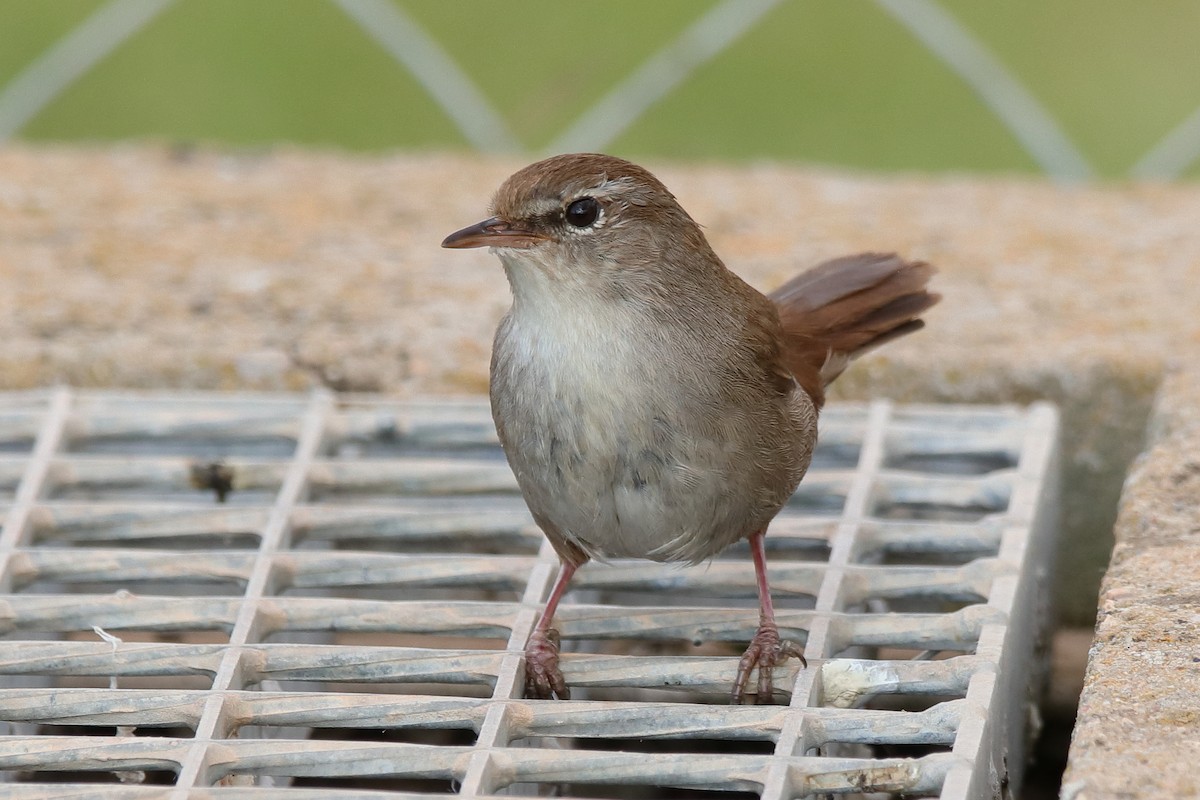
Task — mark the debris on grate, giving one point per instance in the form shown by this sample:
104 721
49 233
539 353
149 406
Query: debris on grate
327 596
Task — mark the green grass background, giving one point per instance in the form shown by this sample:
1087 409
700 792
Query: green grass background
837 83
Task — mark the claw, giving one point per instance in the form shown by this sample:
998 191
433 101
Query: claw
766 651
543 678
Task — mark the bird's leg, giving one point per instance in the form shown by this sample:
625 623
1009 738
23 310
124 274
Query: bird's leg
543 678
766 649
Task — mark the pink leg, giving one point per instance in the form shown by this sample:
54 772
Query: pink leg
766 650
543 678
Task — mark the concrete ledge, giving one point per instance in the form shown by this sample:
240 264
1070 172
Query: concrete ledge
1138 730
148 266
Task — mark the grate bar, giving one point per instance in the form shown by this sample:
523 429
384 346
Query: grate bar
845 680
588 720
124 611
991 736
299 758
481 775
309 570
34 480
113 792
825 636
68 521
250 615
427 477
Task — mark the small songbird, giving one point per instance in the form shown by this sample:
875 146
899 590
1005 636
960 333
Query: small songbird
650 402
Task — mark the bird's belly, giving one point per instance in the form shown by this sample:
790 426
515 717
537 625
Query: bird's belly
620 483
620 464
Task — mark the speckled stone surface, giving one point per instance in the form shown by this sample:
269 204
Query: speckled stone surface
1138 731
159 267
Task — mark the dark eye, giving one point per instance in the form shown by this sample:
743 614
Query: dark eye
583 212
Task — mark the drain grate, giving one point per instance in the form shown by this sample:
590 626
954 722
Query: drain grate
282 596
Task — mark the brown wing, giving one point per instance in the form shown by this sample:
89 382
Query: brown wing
843 308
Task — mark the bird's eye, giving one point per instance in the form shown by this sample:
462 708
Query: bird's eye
583 212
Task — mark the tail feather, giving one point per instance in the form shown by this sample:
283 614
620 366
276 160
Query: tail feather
843 308
834 279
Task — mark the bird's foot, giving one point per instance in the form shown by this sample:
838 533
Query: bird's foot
766 651
543 678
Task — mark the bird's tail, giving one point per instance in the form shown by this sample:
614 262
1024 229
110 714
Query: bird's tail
843 308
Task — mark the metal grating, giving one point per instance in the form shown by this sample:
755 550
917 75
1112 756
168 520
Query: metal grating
283 596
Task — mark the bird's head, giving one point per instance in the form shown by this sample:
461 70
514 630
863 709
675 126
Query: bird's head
589 212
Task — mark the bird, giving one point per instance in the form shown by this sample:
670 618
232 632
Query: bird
651 403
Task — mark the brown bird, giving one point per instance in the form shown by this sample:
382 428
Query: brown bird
650 402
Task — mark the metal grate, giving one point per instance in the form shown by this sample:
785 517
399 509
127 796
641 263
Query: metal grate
282 596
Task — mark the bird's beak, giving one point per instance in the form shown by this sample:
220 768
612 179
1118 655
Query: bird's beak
494 232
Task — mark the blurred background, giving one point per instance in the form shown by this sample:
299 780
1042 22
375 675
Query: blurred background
1072 89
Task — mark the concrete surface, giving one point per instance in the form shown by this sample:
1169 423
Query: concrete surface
150 266
1138 731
